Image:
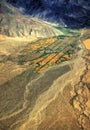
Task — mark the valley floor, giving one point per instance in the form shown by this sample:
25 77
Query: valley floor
45 84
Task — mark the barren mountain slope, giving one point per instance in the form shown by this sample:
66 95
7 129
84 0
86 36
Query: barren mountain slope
14 24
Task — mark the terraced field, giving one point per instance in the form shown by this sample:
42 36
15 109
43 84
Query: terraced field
45 53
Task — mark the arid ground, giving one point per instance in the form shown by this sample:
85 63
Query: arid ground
45 82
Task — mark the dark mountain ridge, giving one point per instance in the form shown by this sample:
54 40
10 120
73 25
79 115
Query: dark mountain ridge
73 13
14 24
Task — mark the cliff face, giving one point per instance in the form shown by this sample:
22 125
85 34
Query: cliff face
75 14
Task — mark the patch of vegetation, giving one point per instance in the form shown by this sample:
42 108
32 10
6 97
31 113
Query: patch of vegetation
44 54
70 52
86 36
63 29
73 45
21 59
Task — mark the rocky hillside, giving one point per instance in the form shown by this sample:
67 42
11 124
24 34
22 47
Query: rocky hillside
73 13
13 23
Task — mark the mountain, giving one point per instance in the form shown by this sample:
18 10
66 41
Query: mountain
13 23
73 13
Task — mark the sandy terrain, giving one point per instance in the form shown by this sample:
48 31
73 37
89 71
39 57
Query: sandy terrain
38 94
87 43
